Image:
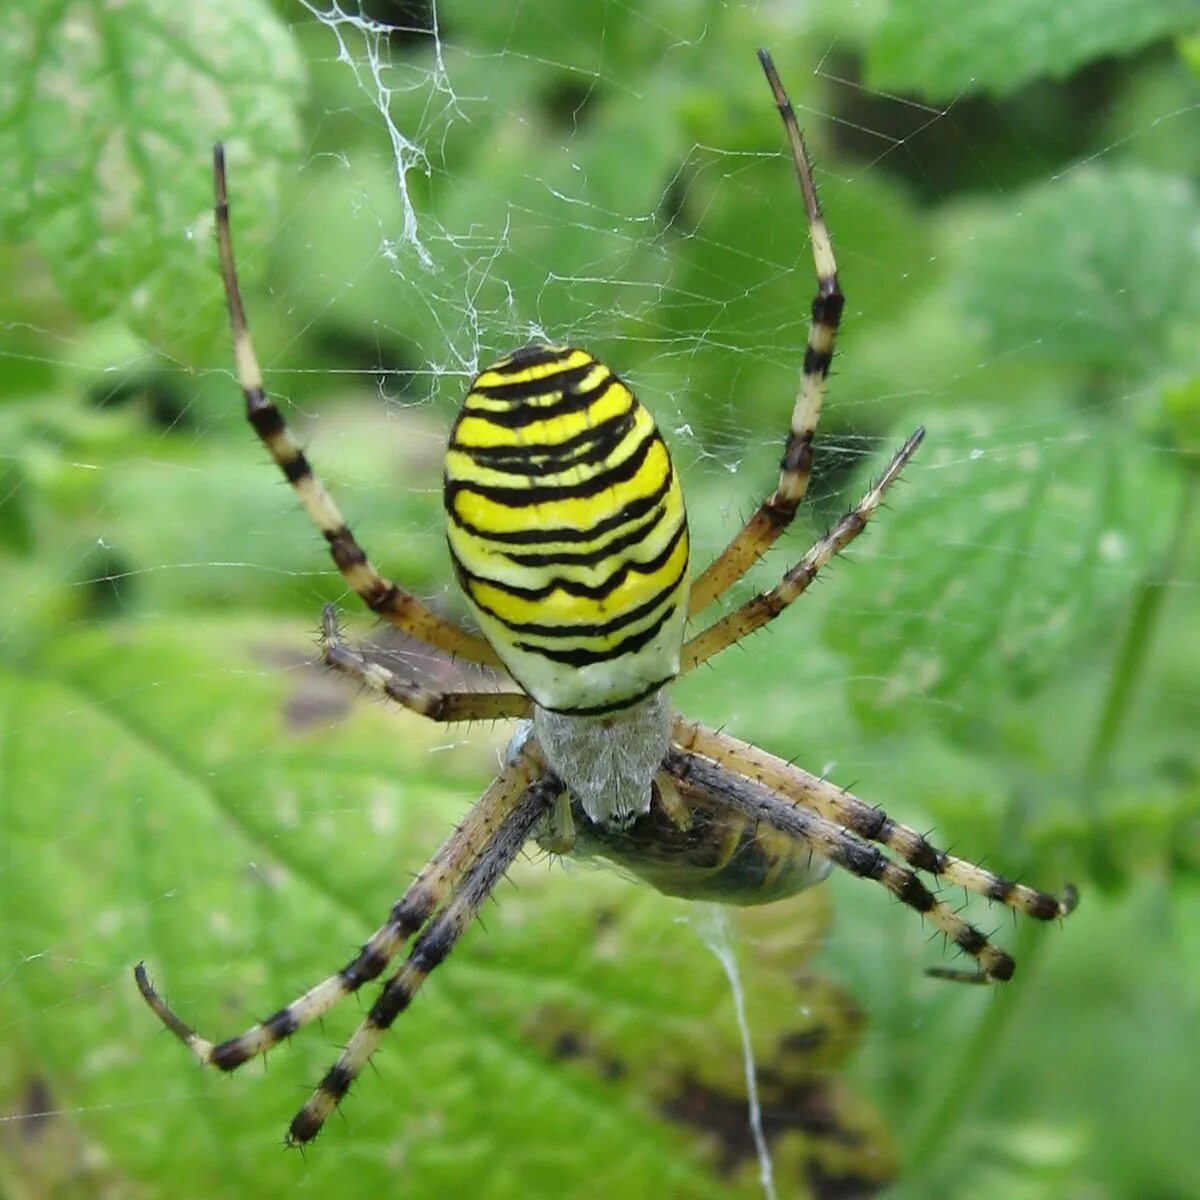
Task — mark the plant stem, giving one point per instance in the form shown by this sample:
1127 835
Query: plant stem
1131 655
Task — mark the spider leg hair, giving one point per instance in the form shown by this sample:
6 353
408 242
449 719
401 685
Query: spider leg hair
866 821
435 942
766 606
436 706
380 594
459 855
775 513
846 850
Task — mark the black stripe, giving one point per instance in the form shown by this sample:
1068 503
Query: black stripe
798 453
345 550
862 860
295 469
1001 889
816 362
593 629
1002 967
539 537
919 853
589 558
913 892
543 458
230 1055
393 1000
971 940
539 387
262 414
337 1082
827 306
523 413
532 354
367 966
1044 908
599 710
525 497
586 658
572 587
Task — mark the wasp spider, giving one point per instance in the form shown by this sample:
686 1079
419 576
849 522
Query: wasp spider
568 534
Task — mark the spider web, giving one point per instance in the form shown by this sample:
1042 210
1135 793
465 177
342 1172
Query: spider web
1010 658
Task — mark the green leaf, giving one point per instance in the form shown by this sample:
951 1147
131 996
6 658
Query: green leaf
1009 550
109 116
941 48
241 822
1181 409
1096 270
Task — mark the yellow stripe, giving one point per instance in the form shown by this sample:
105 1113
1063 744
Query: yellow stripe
461 466
575 512
482 557
477 432
562 608
492 377
515 581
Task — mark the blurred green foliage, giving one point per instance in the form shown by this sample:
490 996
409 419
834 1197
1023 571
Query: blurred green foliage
1012 659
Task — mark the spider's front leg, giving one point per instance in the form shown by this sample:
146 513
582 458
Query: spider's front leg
379 593
768 605
776 513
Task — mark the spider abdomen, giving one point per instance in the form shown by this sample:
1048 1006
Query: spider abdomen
722 855
567 530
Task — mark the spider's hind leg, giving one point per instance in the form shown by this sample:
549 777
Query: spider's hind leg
867 821
433 945
459 854
847 850
379 593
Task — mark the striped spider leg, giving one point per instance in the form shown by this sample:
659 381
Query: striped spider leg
776 513
435 706
840 827
436 941
834 823
379 593
568 534
766 606
439 904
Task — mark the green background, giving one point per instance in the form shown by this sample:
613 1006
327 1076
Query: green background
1010 657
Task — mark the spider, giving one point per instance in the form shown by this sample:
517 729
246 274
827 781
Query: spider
568 534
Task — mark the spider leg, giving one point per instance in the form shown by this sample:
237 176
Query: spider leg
436 706
775 513
848 851
842 808
457 856
768 605
434 944
380 594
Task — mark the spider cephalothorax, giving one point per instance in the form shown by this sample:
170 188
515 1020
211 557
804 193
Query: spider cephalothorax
569 536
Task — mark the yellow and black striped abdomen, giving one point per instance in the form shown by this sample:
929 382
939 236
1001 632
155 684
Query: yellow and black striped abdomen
567 530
